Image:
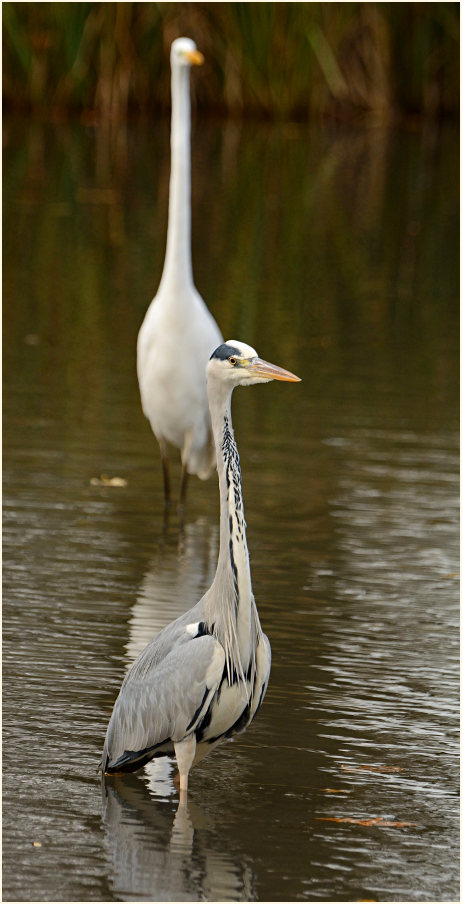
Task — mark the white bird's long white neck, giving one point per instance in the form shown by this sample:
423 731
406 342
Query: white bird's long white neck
178 265
235 616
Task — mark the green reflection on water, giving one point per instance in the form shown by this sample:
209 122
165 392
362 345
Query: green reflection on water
320 249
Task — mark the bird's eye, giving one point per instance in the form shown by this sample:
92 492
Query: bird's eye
232 360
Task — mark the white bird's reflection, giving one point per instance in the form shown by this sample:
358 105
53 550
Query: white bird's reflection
174 582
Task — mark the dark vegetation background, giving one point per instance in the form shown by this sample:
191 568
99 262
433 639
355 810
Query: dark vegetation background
274 60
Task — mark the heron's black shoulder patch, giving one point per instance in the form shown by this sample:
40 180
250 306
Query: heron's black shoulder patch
224 351
202 629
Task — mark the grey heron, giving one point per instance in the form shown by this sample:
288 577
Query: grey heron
178 333
204 676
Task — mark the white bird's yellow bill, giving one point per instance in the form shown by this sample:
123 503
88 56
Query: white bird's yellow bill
195 57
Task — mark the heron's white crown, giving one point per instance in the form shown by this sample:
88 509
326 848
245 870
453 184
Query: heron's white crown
246 351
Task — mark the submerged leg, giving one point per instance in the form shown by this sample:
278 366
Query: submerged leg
183 485
184 458
165 468
185 751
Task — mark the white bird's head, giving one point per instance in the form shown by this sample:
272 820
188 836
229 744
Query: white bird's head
184 52
238 364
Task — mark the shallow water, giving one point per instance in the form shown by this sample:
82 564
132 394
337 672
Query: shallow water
335 254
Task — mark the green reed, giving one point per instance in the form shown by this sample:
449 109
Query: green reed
275 60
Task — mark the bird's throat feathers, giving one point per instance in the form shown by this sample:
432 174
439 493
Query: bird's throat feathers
237 625
231 481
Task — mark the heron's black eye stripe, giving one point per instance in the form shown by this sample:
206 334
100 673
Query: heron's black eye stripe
224 351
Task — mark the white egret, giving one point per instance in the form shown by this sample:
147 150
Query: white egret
204 676
178 333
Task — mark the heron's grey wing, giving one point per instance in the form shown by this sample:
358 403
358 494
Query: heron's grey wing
263 663
263 668
163 704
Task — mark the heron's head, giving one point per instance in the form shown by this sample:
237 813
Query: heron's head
185 53
238 364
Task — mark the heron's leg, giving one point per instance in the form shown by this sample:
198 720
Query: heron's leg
165 468
183 485
188 438
185 751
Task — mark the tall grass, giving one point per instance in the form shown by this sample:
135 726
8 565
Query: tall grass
279 60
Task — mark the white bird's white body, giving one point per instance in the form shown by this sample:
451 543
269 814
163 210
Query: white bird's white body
178 327
178 333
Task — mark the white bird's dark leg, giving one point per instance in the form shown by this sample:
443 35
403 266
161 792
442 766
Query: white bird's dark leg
188 438
184 484
165 468
185 751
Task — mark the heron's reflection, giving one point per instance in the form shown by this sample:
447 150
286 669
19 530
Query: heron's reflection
158 853
177 577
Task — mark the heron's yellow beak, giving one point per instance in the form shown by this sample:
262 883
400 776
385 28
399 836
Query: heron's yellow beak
261 368
195 57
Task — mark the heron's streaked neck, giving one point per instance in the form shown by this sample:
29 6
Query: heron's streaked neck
232 585
178 254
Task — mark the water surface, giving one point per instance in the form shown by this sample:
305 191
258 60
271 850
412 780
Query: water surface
335 254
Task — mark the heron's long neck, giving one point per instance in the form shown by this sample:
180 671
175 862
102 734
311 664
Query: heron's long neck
235 612
178 254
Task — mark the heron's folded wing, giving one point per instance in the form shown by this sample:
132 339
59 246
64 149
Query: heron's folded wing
263 657
169 700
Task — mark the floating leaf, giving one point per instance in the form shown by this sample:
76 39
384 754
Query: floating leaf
37 843
369 821
335 791
105 481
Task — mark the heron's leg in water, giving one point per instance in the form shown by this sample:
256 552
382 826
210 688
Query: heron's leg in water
184 458
165 468
185 751
183 485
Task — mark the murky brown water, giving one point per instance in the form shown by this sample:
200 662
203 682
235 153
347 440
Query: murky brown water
336 256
